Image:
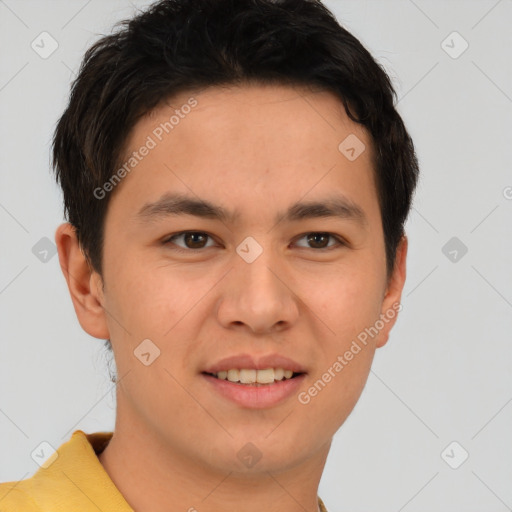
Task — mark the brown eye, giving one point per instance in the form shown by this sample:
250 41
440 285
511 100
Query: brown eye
320 240
191 239
195 240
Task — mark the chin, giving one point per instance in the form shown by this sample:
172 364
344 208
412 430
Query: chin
248 455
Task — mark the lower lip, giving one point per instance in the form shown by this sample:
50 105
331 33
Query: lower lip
256 397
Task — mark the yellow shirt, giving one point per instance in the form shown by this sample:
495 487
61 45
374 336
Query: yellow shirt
73 480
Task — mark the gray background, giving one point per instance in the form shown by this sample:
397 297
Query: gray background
445 374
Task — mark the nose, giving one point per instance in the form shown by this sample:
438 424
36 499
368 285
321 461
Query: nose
258 297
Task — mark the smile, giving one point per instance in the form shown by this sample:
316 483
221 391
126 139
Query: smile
251 376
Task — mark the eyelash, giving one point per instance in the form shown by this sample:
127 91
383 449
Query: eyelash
339 240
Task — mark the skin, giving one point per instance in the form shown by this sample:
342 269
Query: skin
256 149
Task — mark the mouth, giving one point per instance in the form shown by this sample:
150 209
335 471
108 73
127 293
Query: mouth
255 382
255 378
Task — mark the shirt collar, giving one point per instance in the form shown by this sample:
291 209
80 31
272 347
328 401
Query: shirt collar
76 476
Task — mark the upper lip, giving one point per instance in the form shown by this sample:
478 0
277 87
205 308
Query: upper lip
249 362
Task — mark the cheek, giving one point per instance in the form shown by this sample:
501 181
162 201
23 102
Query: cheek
150 301
345 300
345 305
332 393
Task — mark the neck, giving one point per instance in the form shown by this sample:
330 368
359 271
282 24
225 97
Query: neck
154 478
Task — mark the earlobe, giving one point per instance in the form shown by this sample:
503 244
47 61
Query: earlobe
84 284
391 303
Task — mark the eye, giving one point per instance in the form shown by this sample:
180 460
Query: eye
196 240
318 239
192 239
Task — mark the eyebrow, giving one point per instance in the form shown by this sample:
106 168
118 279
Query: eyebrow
168 205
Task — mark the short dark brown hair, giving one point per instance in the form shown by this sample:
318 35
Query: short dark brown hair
181 45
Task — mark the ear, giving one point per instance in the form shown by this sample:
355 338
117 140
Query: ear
391 303
84 284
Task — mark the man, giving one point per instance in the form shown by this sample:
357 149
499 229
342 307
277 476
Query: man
236 180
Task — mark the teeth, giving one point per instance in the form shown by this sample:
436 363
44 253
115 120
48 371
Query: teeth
263 376
233 375
246 376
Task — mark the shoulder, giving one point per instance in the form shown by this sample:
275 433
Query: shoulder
70 479
13 498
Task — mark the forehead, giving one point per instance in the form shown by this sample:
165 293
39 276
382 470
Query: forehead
255 113
241 145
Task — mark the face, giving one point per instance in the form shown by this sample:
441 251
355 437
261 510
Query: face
260 279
